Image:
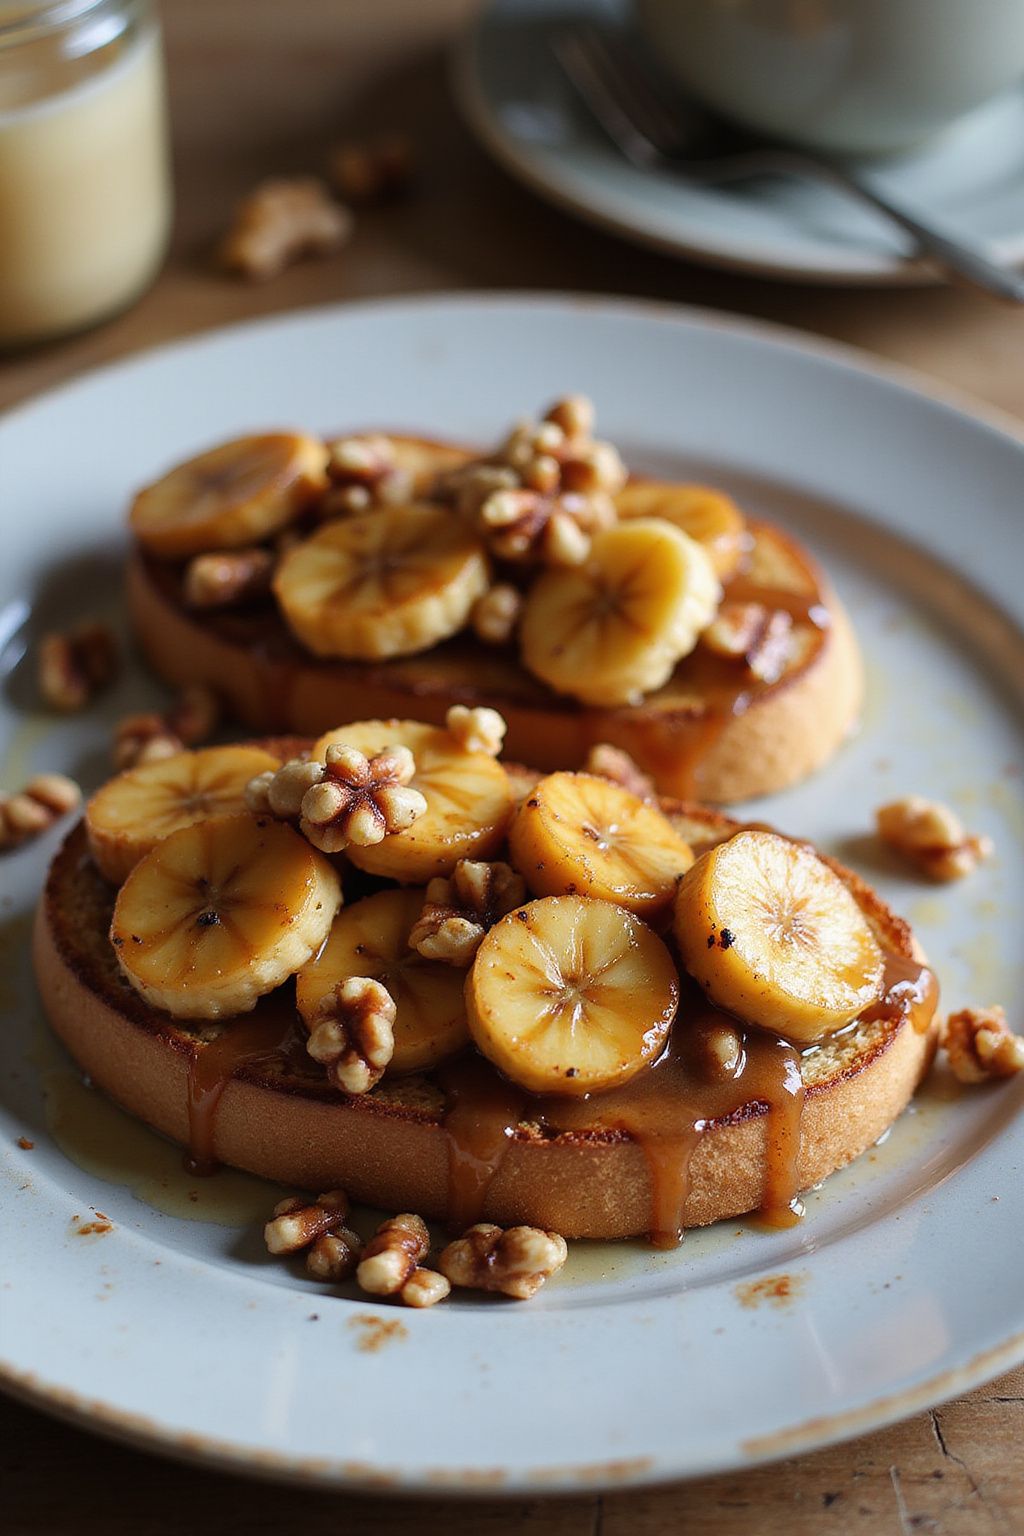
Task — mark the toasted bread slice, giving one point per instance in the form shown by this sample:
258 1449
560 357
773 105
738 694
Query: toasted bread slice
390 1148
712 732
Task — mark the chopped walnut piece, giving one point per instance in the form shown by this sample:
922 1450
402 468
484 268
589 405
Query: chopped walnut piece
516 1261
574 414
335 1254
545 491
495 615
458 911
527 525
373 171
424 1288
759 636
609 762
144 738
352 1033
150 737
45 799
931 836
297 1222
361 800
364 473
477 730
228 578
469 486
74 667
393 1254
280 222
981 1046
280 791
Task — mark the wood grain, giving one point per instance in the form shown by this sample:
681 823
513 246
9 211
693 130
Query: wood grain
260 87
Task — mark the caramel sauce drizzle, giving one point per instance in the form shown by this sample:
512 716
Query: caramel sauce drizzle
674 749
263 1036
909 988
666 1108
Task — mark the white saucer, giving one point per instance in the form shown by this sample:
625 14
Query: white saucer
519 105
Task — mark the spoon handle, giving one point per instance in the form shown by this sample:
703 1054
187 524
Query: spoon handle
962 261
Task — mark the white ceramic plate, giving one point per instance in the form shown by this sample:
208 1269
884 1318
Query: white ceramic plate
902 1286
971 180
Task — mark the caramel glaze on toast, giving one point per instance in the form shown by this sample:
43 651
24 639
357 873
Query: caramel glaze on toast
461 1143
712 732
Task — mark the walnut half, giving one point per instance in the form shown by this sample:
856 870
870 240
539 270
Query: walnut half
391 1265
458 911
980 1045
352 1033
516 1261
361 800
931 836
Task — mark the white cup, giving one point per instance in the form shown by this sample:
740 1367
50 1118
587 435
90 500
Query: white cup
857 76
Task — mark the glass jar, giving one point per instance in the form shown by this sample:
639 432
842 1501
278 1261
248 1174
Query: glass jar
85 194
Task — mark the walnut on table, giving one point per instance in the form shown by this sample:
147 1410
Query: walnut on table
73 667
352 1033
980 1046
931 836
373 170
458 910
33 810
515 1261
280 222
391 1265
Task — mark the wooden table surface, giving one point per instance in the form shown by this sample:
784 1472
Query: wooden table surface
262 86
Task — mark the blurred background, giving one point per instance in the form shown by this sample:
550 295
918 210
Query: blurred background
259 89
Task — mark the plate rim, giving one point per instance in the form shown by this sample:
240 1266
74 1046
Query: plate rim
850 355
825 1430
868 271
203 1451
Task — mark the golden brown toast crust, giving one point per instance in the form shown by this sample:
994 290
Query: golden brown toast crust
693 746
389 1147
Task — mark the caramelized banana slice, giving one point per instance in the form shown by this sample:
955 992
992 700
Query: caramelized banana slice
774 936
220 913
233 495
612 629
709 516
137 809
570 996
385 583
371 938
579 833
468 795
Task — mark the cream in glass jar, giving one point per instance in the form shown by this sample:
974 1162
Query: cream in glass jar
85 198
